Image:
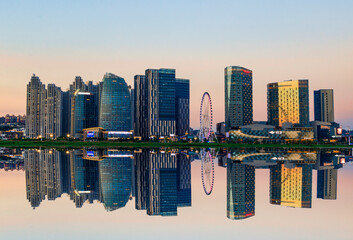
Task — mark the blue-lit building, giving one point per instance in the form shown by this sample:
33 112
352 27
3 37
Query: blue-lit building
84 113
115 174
238 97
240 190
182 101
115 105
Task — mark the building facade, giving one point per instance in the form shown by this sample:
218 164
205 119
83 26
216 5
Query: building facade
324 105
115 106
84 113
238 97
53 112
182 101
288 101
35 108
161 104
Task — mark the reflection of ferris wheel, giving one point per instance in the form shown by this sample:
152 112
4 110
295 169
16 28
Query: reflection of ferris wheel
207 171
206 117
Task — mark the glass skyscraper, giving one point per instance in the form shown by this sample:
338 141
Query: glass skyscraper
323 105
238 97
182 101
84 113
288 101
115 106
161 104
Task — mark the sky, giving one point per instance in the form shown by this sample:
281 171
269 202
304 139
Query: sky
277 40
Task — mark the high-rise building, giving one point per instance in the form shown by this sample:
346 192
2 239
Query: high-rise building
115 106
84 113
288 101
324 105
140 109
291 185
161 104
53 112
238 97
66 113
35 108
240 190
182 101
327 184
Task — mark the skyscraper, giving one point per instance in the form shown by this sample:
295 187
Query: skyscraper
35 107
84 112
53 112
288 101
140 109
182 101
238 97
240 190
115 106
324 105
291 185
161 104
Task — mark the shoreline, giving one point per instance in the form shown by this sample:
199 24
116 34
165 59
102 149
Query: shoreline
110 144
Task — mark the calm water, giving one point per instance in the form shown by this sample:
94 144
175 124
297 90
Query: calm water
174 194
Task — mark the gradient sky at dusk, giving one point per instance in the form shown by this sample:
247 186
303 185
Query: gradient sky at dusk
278 40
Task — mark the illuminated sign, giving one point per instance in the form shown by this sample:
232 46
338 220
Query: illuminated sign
339 131
90 154
342 160
246 71
90 134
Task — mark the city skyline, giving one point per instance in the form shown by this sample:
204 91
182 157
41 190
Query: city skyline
308 46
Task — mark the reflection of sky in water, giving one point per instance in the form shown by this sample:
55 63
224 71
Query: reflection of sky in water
206 218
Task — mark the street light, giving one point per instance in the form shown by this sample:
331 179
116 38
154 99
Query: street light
51 136
68 136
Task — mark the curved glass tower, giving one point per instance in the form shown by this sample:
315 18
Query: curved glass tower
115 106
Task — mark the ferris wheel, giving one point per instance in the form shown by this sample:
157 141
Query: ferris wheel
207 171
206 117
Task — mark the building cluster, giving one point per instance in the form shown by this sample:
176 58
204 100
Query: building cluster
159 182
287 110
12 120
157 106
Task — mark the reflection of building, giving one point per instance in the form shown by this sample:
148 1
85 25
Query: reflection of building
323 105
115 106
84 179
327 184
184 180
115 180
238 97
291 185
288 101
141 179
34 179
162 194
240 190
43 175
